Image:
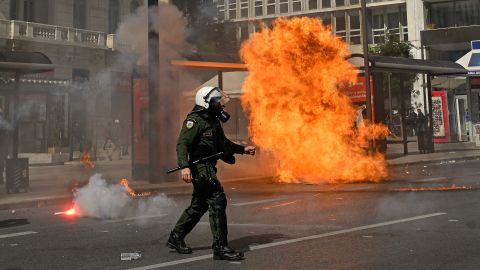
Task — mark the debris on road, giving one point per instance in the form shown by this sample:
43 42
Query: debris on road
130 256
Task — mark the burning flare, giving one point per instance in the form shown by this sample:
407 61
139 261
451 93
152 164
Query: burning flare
70 212
131 192
86 159
297 110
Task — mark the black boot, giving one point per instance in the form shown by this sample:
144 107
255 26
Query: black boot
225 253
177 243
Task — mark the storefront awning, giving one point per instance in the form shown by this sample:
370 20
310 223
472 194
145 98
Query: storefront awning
25 62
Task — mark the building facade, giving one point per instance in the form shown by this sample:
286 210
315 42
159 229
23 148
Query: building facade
451 26
67 110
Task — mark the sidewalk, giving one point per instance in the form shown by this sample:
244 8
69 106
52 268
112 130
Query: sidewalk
53 184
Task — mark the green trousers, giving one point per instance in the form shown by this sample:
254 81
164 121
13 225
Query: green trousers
207 195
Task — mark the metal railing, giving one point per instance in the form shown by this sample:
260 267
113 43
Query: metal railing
52 33
381 34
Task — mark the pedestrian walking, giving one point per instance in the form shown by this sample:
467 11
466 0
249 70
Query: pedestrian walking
202 136
421 128
109 148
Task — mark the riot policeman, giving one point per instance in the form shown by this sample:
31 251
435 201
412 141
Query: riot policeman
201 136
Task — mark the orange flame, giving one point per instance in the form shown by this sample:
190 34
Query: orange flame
130 191
296 108
86 159
449 188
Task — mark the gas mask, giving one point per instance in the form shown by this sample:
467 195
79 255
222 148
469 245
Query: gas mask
216 108
217 99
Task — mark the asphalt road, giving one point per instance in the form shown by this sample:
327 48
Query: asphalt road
280 226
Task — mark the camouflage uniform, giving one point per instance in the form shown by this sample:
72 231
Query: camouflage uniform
202 136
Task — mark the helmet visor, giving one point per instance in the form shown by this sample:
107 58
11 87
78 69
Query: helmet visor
219 97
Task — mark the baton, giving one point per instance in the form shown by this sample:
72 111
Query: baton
214 156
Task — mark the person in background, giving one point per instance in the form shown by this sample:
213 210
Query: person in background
3 143
421 128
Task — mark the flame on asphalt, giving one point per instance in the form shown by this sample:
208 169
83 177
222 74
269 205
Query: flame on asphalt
86 160
131 192
449 188
297 109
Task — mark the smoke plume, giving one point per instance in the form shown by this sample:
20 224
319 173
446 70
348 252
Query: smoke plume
111 201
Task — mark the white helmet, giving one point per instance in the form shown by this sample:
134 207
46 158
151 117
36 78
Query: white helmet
207 93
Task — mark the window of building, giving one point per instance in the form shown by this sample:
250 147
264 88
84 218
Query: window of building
326 3
354 2
221 9
393 20
378 30
270 7
354 34
296 5
13 9
340 25
326 20
312 4
339 3
80 14
467 13
259 8
441 15
232 9
113 15
244 8
283 6
28 10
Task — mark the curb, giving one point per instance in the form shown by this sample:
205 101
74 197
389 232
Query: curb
54 200
437 161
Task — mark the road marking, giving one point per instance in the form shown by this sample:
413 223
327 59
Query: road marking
16 234
291 241
356 229
258 202
134 218
432 179
279 205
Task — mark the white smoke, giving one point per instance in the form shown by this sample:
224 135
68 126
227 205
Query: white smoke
111 201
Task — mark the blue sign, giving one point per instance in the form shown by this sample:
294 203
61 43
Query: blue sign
475 44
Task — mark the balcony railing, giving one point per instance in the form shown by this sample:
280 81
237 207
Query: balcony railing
381 34
52 33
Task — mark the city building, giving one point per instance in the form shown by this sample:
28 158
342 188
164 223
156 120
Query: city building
452 27
70 109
